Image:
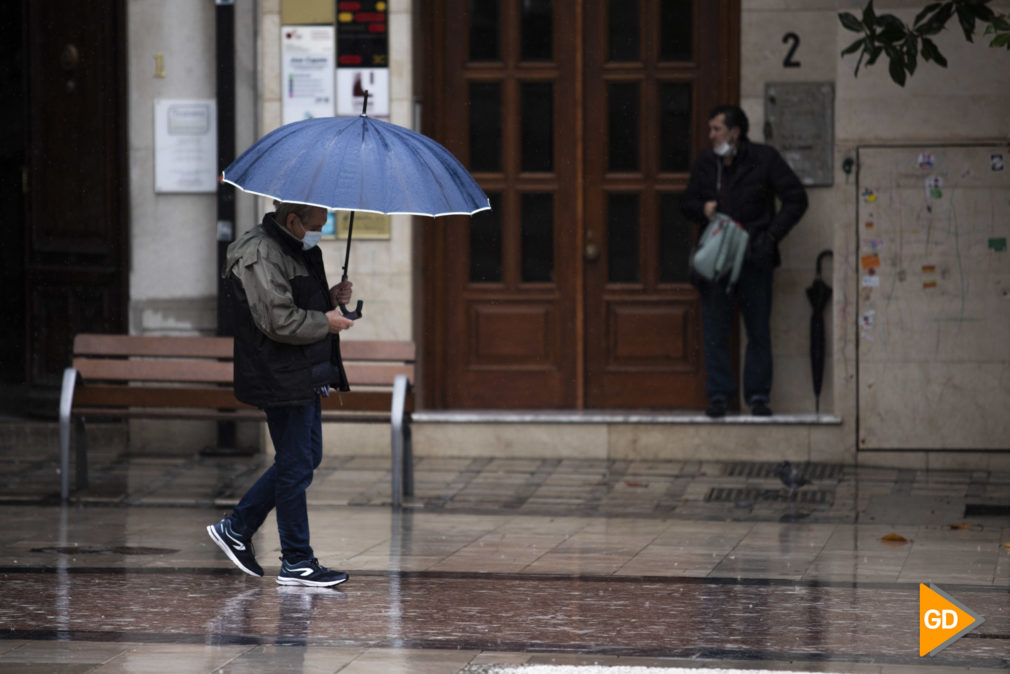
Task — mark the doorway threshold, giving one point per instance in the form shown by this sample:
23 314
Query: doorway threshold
615 417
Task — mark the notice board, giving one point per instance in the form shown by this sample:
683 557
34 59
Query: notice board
934 298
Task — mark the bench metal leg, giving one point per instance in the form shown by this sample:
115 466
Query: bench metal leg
66 404
399 442
81 444
408 459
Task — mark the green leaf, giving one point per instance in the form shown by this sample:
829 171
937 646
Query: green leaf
927 10
981 11
874 54
1001 40
931 53
854 47
893 29
998 23
911 48
896 67
936 22
850 22
869 16
967 21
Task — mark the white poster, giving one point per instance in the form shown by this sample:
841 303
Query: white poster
185 145
307 63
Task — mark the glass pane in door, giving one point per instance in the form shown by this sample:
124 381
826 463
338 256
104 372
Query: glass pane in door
537 30
484 30
622 238
675 29
485 126
623 32
486 243
623 115
676 239
538 237
537 112
675 126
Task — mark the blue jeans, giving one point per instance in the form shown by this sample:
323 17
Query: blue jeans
297 434
754 290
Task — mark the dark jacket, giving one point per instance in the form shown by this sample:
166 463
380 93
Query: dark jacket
279 296
746 191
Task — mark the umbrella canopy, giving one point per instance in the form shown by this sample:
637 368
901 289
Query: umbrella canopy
357 164
819 293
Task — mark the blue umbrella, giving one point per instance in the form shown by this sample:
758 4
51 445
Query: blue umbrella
357 164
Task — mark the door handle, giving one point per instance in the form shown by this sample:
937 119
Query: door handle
591 251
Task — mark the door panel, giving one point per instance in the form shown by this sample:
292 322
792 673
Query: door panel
75 267
505 110
580 120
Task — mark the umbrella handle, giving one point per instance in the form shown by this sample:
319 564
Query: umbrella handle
823 254
353 315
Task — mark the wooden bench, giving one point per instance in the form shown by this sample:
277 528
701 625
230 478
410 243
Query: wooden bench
129 377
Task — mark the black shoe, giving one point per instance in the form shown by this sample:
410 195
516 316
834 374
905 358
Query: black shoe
716 409
759 408
238 548
310 573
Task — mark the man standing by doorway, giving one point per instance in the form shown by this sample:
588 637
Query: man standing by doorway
742 179
287 356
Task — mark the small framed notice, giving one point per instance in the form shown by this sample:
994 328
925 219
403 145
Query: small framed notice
366 225
800 124
185 145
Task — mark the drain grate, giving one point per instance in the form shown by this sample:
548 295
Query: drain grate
738 495
812 471
987 510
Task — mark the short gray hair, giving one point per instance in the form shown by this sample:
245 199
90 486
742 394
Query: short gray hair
287 207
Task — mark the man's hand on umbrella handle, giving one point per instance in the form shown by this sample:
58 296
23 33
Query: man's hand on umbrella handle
710 208
337 321
341 293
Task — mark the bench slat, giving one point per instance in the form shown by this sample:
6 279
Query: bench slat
167 413
111 369
146 345
97 395
221 347
375 401
215 372
376 374
190 397
360 350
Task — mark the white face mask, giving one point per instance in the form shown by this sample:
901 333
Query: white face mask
311 239
723 149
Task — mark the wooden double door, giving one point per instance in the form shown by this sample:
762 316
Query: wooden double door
581 121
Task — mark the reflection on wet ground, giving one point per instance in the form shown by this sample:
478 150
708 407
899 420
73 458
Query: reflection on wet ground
670 618
508 561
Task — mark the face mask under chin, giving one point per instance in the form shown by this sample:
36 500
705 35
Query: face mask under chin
723 149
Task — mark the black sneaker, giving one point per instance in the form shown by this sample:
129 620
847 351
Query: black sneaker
238 548
716 408
310 573
759 408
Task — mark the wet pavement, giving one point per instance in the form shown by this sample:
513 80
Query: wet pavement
501 562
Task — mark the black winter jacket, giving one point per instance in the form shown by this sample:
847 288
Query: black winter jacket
746 191
268 372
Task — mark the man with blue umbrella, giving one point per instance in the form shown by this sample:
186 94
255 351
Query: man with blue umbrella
287 352
287 356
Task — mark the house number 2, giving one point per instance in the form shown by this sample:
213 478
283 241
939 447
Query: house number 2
794 40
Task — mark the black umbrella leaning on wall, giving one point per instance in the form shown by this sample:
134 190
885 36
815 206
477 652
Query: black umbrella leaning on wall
819 294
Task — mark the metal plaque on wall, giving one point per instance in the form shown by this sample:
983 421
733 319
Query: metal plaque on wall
800 123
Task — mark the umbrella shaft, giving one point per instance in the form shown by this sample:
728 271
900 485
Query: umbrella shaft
347 251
